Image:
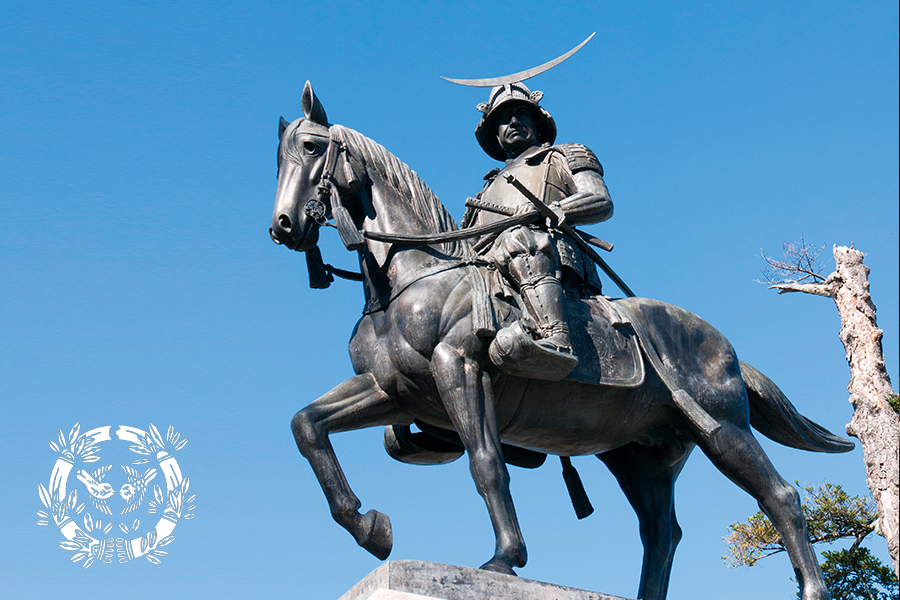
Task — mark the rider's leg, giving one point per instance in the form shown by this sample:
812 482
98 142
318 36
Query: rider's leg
527 257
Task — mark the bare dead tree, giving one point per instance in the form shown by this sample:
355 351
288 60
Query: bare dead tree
875 422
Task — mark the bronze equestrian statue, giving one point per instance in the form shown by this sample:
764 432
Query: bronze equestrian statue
652 380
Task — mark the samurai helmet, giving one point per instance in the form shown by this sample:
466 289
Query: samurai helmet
507 95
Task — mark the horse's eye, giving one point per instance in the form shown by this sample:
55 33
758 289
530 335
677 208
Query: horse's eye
310 148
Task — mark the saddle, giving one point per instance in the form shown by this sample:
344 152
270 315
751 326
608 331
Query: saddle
601 334
605 342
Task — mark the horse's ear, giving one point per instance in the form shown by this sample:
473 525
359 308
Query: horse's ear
312 108
282 125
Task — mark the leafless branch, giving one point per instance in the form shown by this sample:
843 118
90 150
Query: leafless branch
819 289
800 265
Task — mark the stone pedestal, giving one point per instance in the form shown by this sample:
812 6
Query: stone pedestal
421 580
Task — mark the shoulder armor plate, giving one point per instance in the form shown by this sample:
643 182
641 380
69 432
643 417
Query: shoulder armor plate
579 158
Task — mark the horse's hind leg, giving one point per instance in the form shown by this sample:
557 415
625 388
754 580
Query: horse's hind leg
468 398
355 404
738 455
647 476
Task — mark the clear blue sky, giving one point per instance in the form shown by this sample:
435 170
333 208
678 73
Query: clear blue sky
139 284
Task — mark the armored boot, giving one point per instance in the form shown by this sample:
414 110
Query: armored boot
543 298
549 357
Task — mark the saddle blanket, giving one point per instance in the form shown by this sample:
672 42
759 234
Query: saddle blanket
605 343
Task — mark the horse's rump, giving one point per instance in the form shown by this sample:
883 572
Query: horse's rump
687 352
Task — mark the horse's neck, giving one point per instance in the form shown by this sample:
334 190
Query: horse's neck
388 268
386 213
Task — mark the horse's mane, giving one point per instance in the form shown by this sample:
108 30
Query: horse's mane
424 203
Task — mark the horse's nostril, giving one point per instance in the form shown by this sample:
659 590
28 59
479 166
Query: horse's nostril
273 236
284 222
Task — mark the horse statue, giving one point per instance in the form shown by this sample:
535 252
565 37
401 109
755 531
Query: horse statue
420 358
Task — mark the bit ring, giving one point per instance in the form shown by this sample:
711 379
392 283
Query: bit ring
316 210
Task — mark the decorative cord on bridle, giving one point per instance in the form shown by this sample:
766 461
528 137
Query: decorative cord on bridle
328 193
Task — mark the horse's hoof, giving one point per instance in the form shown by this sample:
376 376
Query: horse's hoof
379 540
498 566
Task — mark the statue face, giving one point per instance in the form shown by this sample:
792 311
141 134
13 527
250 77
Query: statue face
515 129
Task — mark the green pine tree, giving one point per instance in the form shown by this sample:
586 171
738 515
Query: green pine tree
831 515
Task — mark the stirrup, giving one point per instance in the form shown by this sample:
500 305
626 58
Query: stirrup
549 345
516 353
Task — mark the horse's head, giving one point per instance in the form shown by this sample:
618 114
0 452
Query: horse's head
304 198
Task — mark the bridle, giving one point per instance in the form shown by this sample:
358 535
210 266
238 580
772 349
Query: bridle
317 209
327 193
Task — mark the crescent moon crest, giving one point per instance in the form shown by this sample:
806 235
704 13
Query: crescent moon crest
521 75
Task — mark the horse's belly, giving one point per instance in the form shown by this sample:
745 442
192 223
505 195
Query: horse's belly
572 419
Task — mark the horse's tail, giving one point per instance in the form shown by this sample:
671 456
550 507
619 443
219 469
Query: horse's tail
773 415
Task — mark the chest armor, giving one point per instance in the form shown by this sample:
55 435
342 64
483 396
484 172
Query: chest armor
538 170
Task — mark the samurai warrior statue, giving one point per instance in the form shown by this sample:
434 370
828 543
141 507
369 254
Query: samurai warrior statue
537 260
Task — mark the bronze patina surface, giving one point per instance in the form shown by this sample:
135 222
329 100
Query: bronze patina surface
439 301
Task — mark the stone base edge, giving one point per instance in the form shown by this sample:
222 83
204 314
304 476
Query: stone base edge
422 580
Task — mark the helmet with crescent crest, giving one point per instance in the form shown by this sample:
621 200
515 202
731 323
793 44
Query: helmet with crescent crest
506 96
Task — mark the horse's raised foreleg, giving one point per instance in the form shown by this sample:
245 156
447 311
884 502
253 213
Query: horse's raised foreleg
647 476
468 398
355 404
738 455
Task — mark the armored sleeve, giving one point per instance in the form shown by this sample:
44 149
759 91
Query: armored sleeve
589 201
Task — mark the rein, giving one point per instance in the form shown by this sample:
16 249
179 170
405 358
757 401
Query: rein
452 236
322 274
